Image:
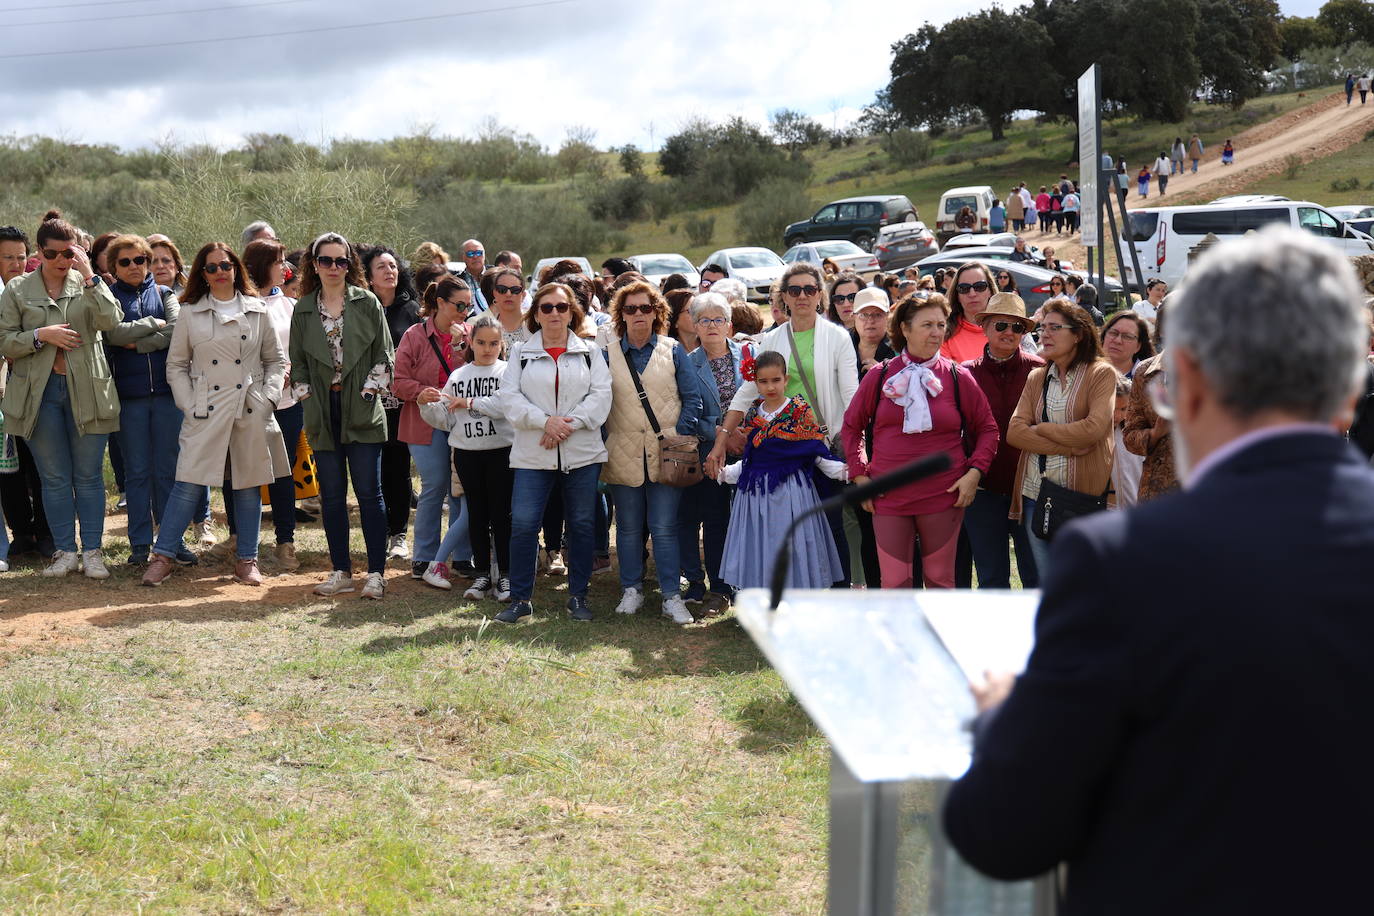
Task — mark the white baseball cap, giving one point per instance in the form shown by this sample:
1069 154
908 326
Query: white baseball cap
872 297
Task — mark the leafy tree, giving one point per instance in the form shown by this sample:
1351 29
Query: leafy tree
1298 33
1348 20
632 161
961 68
577 152
795 130
765 212
1243 43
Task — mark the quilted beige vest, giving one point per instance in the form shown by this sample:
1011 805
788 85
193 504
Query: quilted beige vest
630 441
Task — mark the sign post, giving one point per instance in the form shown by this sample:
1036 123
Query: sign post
1090 170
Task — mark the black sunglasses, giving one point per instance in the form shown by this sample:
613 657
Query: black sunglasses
548 308
647 308
1001 326
508 290
326 261
843 297
140 260
226 266
807 290
51 255
981 286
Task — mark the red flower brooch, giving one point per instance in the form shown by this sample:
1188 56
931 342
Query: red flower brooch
746 365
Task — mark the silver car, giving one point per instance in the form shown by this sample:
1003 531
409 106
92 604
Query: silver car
758 268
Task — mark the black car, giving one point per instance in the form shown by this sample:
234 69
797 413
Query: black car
856 219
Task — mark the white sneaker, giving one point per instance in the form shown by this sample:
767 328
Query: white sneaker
375 587
338 583
553 562
396 548
94 565
4 565
503 588
436 574
676 611
204 533
479 589
63 562
630 602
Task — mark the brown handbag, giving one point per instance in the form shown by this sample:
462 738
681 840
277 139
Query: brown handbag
679 461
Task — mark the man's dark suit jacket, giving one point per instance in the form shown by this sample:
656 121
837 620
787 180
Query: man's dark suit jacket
1193 730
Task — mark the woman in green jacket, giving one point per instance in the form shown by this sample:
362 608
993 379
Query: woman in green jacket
341 362
61 396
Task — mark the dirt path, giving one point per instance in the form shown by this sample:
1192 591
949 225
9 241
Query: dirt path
1324 127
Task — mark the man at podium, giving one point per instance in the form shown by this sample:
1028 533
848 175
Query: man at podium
1204 745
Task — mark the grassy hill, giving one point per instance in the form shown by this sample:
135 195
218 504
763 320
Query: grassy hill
1319 180
1032 152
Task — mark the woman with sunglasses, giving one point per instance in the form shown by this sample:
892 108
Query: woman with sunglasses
425 358
1001 374
1006 283
1063 421
394 288
60 395
820 362
504 288
226 369
556 393
341 364
844 286
970 289
149 421
642 358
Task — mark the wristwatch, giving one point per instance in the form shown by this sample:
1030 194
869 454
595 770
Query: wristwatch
92 281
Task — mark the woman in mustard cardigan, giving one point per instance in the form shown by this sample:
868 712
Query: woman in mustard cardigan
1063 422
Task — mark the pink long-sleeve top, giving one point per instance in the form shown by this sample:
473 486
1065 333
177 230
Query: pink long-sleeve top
418 368
893 448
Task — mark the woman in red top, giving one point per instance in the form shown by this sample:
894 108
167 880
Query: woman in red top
426 356
919 403
969 292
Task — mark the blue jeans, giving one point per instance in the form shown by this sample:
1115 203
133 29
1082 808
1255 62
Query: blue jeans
987 526
362 462
148 432
182 505
1195 165
71 466
706 511
532 489
655 504
1040 549
4 536
434 461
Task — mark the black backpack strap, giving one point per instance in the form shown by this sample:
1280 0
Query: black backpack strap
881 369
443 362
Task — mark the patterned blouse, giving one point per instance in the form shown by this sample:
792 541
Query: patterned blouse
724 371
1057 405
378 379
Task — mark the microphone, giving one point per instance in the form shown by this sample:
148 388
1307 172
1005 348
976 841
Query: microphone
907 473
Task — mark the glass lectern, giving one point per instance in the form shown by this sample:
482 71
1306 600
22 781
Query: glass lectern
884 675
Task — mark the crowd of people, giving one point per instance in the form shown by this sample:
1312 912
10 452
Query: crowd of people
538 413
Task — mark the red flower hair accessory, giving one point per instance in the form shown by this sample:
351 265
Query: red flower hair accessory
746 365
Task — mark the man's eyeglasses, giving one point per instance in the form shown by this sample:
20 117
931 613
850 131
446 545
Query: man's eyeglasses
474 253
1001 327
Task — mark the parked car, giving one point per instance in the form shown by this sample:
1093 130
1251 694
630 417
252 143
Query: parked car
759 268
1361 225
977 197
1033 280
658 267
1164 236
533 279
1250 199
958 253
903 244
1354 211
981 239
856 219
846 255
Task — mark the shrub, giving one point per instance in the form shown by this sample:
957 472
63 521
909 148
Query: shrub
1345 184
908 148
621 201
1292 166
765 212
700 229
557 223
1035 141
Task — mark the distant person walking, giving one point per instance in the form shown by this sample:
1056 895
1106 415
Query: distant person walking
1195 150
1176 155
1029 203
1142 180
1162 172
1123 182
1016 210
1228 152
1362 84
997 217
1349 87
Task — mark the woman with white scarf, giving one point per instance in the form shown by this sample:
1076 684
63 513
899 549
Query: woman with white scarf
910 406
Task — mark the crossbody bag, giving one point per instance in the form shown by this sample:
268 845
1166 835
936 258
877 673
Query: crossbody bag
679 461
1057 505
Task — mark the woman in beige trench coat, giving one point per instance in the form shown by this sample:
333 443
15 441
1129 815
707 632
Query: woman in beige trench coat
226 370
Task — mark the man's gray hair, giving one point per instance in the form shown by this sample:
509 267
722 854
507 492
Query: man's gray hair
254 228
1274 321
705 302
734 291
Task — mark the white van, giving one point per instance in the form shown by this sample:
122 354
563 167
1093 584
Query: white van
978 198
1163 236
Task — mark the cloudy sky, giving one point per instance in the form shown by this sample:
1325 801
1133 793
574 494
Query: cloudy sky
210 71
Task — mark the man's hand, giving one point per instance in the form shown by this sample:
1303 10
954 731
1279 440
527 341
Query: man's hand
994 689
